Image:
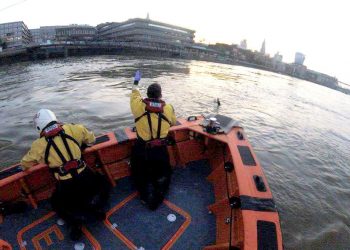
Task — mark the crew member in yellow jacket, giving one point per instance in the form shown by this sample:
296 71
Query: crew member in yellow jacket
150 165
79 191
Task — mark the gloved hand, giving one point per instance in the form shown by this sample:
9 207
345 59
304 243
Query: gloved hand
137 77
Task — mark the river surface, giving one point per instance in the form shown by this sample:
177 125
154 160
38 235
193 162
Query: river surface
299 130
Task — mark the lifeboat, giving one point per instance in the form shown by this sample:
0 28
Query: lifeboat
219 197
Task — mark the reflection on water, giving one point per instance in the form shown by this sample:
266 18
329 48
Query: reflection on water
301 131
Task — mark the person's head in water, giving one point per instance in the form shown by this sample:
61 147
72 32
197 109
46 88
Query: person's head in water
154 91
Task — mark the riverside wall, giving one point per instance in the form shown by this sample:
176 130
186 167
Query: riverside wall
43 52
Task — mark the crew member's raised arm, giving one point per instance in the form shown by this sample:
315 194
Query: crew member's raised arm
136 102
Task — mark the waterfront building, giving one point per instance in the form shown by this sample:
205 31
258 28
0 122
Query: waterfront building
222 47
321 78
299 58
279 67
36 37
75 33
47 34
44 35
146 31
299 70
15 34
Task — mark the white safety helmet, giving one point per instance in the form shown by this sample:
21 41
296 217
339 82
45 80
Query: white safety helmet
42 118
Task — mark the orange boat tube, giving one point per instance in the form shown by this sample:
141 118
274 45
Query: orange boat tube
245 212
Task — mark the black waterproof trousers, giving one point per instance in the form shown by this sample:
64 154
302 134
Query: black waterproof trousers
151 172
81 197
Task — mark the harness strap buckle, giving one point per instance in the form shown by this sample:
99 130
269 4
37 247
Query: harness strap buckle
156 143
70 167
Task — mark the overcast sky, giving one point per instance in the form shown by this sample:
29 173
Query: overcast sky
319 29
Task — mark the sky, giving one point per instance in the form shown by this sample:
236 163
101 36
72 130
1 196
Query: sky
319 29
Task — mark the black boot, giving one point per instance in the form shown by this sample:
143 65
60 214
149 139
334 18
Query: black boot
154 197
76 233
163 185
99 215
8 208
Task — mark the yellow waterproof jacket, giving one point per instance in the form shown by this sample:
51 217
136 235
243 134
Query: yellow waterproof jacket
142 127
36 154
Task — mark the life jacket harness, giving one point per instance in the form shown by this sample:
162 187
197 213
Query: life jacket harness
70 166
157 107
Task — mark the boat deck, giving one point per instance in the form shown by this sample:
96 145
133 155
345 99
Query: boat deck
129 224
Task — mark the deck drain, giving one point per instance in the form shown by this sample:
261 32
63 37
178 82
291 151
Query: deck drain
60 222
171 217
79 246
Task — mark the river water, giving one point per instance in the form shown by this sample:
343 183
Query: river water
299 130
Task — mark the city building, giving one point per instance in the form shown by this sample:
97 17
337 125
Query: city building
277 63
15 34
75 33
262 50
243 44
46 34
146 31
36 35
299 70
299 58
277 57
52 34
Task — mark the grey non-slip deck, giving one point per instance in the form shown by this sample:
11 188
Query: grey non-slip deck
128 222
